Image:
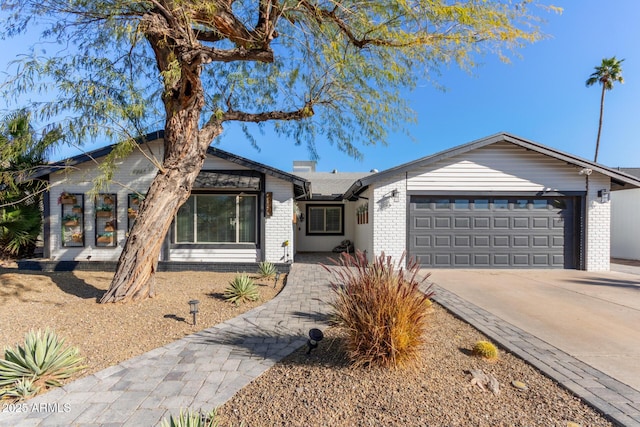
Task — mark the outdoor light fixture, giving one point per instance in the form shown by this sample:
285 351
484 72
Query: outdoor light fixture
395 194
604 195
315 336
275 282
301 217
193 305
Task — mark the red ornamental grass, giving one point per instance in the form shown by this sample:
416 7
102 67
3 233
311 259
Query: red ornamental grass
382 308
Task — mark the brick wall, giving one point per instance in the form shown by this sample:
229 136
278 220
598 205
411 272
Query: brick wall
598 226
389 217
279 226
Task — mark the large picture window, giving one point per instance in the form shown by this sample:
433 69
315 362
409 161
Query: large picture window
325 219
217 218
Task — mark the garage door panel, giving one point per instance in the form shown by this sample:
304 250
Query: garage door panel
422 222
501 222
442 222
504 232
462 223
481 241
462 241
500 241
422 241
501 260
520 241
482 260
483 222
462 260
520 260
540 241
520 222
539 222
442 241
442 260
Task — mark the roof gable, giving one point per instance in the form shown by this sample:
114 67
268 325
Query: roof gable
619 178
301 185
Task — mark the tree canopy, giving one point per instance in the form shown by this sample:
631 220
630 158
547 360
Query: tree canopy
311 68
315 68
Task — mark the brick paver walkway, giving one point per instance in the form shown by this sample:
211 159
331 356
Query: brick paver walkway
202 370
206 369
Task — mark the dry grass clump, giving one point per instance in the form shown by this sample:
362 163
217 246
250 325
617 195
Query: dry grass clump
382 308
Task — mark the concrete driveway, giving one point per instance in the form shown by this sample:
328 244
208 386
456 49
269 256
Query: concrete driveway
594 317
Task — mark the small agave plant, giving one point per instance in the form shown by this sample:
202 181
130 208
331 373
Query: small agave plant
43 361
190 418
21 389
241 288
266 270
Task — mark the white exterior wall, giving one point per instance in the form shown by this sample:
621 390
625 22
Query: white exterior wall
278 228
389 217
363 233
137 173
598 225
319 243
498 167
625 224
135 170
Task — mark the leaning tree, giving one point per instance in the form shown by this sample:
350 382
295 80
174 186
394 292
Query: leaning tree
332 69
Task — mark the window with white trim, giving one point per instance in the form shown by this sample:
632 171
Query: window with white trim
325 219
217 218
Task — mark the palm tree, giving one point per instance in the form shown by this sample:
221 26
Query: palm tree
20 152
608 72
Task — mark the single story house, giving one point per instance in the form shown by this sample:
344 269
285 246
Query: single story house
625 221
498 202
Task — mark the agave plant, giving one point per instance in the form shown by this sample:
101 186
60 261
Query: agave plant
266 270
21 389
241 288
189 418
43 360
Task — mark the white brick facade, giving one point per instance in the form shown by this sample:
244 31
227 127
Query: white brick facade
279 226
598 226
389 206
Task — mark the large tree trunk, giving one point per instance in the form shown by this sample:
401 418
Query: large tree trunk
185 148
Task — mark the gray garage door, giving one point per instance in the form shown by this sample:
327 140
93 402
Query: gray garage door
492 232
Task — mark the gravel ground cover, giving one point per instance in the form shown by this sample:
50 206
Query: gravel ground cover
322 389
317 390
108 334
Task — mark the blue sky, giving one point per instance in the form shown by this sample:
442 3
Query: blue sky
540 96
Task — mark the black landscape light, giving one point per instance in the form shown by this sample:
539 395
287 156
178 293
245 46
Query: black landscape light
277 278
193 305
315 336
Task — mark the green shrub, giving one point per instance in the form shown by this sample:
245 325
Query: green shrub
241 288
266 270
485 350
382 308
43 361
189 418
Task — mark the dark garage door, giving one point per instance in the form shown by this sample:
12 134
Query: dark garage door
492 232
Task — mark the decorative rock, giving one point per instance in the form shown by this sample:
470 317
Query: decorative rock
572 424
519 385
484 382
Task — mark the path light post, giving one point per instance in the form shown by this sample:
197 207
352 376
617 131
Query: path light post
193 305
315 336
277 278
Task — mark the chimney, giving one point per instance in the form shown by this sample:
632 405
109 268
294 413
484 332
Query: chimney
304 166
